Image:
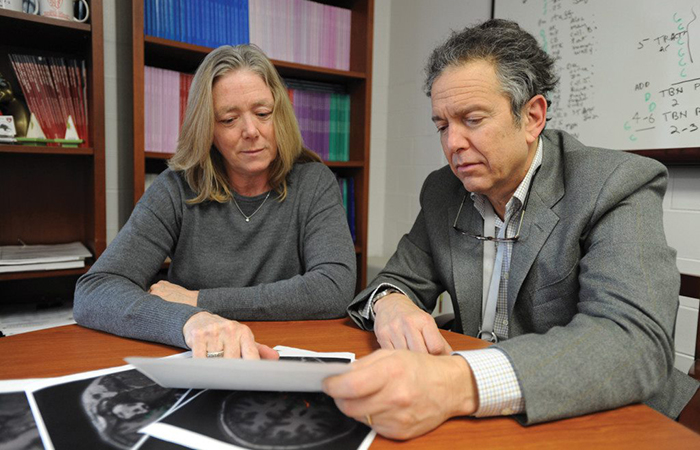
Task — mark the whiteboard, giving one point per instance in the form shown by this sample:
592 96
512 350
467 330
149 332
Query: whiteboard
629 69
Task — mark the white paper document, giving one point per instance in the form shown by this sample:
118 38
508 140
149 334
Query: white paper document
35 254
17 319
25 258
238 374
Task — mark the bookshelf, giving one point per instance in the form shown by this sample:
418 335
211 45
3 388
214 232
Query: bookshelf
185 57
54 195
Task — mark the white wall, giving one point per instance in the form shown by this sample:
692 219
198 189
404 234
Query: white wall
118 113
682 224
405 146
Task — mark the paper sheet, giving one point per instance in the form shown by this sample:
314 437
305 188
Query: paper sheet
238 374
237 420
33 254
17 319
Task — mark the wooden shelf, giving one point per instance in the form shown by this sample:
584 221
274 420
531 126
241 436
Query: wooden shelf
45 36
43 150
157 155
184 57
16 20
50 194
43 274
673 156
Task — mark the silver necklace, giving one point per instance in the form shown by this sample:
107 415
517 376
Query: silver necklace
247 218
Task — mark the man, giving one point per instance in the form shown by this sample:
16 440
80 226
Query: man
552 250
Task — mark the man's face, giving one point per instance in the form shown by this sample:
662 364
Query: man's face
484 146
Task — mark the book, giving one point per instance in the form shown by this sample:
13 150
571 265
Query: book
299 31
165 103
55 90
323 113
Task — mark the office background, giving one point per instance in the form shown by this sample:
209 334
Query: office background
404 145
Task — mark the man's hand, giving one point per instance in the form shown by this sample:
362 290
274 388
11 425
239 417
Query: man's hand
406 394
400 324
205 332
174 293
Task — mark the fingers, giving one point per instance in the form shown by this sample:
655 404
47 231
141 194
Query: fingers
416 341
360 408
402 325
365 378
158 288
435 342
247 345
199 348
267 352
208 333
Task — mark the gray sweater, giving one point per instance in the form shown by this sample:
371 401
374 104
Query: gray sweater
294 260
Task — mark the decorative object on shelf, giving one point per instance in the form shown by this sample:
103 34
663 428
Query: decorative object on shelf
13 106
34 130
64 9
7 126
16 5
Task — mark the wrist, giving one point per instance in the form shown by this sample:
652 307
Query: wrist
466 394
382 296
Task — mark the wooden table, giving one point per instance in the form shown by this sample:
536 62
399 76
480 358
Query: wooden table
72 349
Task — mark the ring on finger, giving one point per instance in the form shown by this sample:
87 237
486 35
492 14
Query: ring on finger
218 354
369 419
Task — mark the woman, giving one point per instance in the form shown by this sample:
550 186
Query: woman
253 223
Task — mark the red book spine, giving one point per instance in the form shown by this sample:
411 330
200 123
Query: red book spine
58 129
25 83
54 67
42 113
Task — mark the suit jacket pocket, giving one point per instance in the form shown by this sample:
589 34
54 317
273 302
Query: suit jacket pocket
552 305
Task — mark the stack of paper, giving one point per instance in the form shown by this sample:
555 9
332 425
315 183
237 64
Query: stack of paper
23 258
27 317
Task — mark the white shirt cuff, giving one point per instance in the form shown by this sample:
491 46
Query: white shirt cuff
497 384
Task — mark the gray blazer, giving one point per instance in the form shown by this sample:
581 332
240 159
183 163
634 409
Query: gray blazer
593 286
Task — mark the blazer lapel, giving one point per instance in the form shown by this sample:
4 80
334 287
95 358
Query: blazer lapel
467 265
540 220
533 235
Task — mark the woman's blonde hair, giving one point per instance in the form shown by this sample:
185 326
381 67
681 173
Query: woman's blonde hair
196 155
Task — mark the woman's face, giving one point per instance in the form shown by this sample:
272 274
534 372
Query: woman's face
244 132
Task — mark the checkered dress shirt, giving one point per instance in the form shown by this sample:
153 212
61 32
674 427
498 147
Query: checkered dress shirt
498 387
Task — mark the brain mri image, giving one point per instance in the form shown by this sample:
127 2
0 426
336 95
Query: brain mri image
119 404
289 420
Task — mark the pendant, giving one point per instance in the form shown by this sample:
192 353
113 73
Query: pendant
247 219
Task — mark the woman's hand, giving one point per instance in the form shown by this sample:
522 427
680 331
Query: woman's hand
208 333
173 293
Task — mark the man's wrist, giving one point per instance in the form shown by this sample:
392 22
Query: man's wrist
380 296
466 392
